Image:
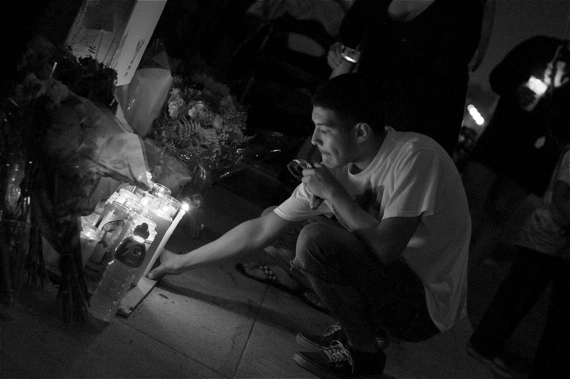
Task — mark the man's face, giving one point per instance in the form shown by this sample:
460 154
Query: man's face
335 141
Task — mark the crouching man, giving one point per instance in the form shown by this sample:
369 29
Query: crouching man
396 259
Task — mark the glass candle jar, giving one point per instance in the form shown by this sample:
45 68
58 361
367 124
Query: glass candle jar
89 237
135 219
159 190
106 207
116 211
149 202
125 194
134 205
169 206
139 192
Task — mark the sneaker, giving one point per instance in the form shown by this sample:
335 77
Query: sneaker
339 362
315 342
496 364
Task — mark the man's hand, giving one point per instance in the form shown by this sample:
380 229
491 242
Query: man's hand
560 74
170 263
320 182
334 58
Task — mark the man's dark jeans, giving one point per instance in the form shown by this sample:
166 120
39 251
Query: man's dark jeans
394 295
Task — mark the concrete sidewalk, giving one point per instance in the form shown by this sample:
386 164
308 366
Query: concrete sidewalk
216 323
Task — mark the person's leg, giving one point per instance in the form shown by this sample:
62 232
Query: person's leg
323 255
330 257
528 277
505 198
508 216
362 292
478 181
552 359
263 266
273 265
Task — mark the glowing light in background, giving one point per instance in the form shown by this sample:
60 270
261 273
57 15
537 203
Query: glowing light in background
538 86
479 120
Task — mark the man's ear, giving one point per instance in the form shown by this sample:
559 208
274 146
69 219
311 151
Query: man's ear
363 131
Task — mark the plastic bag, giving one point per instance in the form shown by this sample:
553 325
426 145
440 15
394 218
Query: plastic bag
143 98
165 169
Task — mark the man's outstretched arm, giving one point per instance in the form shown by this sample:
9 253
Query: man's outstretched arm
244 239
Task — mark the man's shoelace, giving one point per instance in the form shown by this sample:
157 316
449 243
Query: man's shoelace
337 352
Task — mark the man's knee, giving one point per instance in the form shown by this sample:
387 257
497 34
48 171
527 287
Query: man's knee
322 244
320 251
315 236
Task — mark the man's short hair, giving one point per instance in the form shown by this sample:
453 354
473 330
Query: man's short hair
353 98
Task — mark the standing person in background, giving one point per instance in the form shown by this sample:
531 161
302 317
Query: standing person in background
515 155
418 53
543 258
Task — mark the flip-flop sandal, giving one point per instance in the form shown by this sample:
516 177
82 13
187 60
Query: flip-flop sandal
308 297
270 277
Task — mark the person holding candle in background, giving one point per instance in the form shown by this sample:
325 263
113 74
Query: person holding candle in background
396 257
542 259
419 53
514 158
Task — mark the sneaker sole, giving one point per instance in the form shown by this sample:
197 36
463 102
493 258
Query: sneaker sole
324 374
313 369
489 363
310 346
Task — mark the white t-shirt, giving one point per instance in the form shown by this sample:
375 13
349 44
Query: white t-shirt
412 175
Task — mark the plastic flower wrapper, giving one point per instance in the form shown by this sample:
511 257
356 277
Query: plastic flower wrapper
122 157
167 170
90 143
85 155
72 149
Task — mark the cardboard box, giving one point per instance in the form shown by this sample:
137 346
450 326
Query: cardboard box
115 32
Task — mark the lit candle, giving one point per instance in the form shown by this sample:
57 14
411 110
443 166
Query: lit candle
195 218
149 202
169 205
165 238
195 221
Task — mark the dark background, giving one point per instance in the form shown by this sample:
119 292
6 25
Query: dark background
250 56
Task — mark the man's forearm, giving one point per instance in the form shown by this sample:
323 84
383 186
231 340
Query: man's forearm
356 218
361 223
240 241
387 238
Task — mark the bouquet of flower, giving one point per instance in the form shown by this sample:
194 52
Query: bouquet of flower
202 124
57 149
